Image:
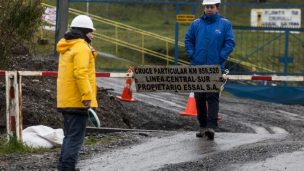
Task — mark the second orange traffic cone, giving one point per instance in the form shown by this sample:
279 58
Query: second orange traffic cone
127 92
190 107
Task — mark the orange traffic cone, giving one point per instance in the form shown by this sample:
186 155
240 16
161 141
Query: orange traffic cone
127 92
190 107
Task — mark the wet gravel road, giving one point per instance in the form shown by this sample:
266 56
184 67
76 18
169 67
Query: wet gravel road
253 135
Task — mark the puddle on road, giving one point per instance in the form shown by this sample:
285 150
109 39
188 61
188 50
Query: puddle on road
282 162
157 152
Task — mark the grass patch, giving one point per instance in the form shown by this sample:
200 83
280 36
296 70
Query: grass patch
104 140
16 147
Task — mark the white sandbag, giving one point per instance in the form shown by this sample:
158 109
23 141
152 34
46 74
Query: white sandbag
42 136
33 140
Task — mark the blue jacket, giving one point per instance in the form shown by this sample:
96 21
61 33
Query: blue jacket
209 40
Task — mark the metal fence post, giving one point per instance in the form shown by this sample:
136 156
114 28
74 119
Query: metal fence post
116 37
143 51
13 117
176 36
62 12
286 57
167 52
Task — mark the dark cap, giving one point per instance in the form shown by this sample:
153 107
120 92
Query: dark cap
83 30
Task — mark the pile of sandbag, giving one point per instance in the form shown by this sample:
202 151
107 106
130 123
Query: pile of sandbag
42 136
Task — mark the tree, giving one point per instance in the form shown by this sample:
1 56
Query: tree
19 21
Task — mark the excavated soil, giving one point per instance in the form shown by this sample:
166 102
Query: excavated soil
39 103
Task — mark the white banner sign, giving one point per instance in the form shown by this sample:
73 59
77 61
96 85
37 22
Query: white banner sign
50 15
207 78
282 18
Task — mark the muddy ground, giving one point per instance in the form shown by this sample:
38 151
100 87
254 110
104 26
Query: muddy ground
39 108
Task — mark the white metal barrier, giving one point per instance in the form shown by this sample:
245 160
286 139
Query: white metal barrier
13 79
13 105
265 78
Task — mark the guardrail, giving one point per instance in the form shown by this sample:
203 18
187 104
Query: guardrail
274 50
146 33
141 49
118 42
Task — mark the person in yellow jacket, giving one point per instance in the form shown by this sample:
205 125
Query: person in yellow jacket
76 87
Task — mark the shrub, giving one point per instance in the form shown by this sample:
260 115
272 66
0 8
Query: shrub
19 21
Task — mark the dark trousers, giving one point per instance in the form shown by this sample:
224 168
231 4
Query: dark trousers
207 105
74 133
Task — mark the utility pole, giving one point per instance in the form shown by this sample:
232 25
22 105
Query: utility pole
62 12
165 13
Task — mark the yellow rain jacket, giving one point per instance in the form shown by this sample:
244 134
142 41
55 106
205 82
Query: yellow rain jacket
76 74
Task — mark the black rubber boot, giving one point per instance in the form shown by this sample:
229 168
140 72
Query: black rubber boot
201 133
210 134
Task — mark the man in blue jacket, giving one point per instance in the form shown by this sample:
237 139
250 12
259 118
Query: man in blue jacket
209 41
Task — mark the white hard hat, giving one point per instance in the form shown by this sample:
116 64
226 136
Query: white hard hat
211 2
83 21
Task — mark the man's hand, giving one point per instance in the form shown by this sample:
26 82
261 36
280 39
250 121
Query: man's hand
225 77
86 103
